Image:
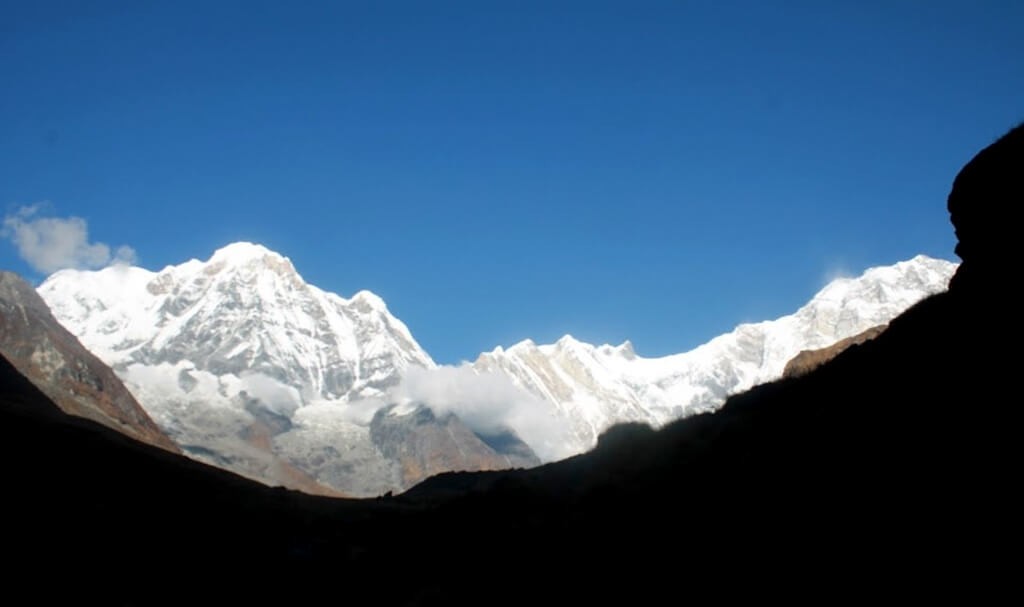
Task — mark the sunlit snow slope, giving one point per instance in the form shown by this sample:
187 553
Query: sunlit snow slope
593 387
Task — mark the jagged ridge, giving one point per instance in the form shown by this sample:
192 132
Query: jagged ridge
592 387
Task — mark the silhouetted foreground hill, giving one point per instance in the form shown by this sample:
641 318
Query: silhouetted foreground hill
888 473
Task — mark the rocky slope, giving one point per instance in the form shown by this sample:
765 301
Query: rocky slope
71 376
809 360
425 444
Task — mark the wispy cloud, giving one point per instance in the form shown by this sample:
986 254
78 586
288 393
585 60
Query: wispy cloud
49 244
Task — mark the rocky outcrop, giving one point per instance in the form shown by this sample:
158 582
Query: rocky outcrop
809 360
71 376
982 204
424 444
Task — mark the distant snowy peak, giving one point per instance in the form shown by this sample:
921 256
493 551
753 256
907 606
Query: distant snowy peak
238 253
244 310
593 387
887 285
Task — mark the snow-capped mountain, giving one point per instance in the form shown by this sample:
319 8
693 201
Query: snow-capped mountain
593 387
246 311
247 366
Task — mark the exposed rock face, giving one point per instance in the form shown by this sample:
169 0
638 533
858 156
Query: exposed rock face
424 444
809 360
71 376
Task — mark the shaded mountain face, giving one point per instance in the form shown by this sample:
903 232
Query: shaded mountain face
424 444
592 387
71 376
80 490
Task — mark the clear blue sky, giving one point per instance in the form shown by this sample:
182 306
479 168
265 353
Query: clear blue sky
653 171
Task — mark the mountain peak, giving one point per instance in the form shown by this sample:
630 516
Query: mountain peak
249 256
371 299
568 342
626 349
923 261
526 344
623 350
242 252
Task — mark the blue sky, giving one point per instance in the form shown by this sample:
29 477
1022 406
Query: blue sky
653 171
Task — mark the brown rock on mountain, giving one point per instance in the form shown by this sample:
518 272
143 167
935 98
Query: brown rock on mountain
260 435
809 360
63 369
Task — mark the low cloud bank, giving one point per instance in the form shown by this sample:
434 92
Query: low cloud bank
488 403
274 395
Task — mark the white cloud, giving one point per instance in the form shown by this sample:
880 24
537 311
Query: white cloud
49 244
274 395
125 256
487 403
837 270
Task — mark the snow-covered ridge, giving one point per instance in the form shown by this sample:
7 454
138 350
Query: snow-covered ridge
592 387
